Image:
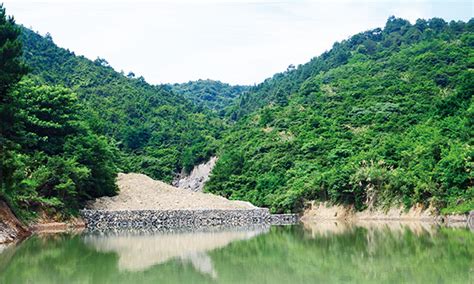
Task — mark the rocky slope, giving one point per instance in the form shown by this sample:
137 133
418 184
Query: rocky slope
197 178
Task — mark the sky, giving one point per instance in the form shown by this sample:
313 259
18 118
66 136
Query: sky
234 41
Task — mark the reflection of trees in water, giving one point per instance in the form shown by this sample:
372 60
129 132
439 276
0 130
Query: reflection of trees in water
138 252
375 248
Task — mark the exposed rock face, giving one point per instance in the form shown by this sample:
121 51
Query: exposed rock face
10 228
197 178
326 211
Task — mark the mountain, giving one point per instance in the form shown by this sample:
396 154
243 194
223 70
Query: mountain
158 131
210 94
384 118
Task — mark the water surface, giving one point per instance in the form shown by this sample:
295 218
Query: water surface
318 253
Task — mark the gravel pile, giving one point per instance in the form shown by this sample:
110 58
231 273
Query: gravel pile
139 192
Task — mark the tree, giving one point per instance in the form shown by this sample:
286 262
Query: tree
62 163
383 129
11 71
11 68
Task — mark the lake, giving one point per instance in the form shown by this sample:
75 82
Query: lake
325 252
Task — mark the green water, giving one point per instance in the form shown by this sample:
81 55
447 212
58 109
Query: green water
322 253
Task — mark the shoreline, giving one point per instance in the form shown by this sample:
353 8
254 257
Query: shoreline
14 231
320 212
11 229
58 227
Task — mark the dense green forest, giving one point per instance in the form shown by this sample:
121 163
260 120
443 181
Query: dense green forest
210 94
50 157
68 125
384 118
158 132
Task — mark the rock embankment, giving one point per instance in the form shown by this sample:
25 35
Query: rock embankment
140 192
144 203
173 219
11 229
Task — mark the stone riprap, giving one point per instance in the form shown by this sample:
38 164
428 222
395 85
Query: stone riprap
284 219
146 219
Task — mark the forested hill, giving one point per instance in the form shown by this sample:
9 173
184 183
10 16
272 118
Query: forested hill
69 124
158 131
373 44
384 118
210 94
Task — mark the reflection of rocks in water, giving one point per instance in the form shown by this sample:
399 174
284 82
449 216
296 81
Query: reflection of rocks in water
4 247
326 227
417 228
201 262
139 251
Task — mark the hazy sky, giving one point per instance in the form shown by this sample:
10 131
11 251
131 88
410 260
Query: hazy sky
235 41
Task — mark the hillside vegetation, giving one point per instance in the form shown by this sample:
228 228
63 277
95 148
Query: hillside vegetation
210 94
157 131
68 125
50 157
383 118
